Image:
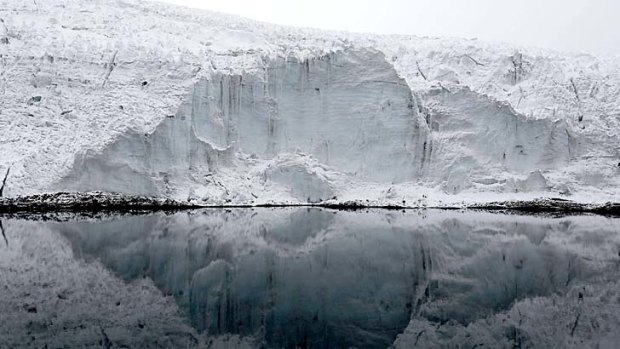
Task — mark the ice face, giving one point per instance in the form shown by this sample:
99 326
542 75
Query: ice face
349 111
311 128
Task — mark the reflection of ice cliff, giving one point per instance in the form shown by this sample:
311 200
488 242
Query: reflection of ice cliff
292 277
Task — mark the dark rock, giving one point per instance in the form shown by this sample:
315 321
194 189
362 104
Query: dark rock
555 205
87 202
35 99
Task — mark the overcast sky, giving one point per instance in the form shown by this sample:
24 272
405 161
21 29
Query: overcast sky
573 25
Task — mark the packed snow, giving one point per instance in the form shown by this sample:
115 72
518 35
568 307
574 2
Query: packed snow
144 98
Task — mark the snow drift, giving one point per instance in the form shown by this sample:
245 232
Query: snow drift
220 110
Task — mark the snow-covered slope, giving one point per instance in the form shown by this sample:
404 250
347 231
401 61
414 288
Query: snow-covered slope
144 98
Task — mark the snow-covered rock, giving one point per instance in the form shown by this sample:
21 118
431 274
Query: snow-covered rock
144 98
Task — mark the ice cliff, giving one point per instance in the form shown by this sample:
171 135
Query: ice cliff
144 98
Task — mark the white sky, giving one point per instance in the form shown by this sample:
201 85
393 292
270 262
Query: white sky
572 25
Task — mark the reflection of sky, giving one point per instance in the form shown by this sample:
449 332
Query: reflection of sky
574 25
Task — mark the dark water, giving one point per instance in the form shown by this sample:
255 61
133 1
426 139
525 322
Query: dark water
311 278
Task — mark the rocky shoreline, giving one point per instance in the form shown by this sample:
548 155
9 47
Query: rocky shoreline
87 202
551 206
95 203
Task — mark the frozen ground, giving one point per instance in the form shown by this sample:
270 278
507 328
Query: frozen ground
145 98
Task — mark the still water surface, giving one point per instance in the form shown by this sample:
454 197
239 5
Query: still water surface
311 278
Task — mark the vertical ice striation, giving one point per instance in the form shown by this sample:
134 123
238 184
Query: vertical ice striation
348 110
310 127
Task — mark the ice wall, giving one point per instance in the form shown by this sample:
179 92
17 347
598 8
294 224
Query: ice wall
349 114
148 164
348 110
305 130
476 139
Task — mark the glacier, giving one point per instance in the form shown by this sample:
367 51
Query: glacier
144 98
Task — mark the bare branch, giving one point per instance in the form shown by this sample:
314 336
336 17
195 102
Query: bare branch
594 91
444 88
521 98
420 70
517 62
4 181
572 82
473 60
574 327
110 66
3 234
